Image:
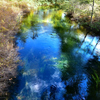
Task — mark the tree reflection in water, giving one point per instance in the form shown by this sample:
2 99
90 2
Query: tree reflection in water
59 58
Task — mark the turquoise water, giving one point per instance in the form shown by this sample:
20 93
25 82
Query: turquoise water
59 63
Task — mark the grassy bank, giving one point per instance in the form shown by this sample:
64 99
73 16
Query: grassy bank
11 13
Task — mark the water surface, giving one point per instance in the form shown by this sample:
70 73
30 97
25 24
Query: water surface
61 60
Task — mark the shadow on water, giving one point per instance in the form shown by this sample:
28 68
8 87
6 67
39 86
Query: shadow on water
61 60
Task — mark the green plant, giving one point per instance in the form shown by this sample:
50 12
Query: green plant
96 78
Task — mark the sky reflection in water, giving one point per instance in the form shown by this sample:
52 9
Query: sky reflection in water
55 59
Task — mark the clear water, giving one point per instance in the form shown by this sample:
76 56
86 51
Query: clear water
59 63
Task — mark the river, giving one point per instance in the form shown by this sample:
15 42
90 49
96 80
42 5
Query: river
61 61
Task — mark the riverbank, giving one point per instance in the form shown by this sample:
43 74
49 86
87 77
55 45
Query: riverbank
81 13
11 13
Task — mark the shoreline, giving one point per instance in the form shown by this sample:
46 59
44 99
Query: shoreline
84 19
10 24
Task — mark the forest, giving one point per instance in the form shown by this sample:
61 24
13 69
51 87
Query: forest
62 36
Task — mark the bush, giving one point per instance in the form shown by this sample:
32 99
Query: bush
84 1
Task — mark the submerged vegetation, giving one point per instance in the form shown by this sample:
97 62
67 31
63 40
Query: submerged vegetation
84 12
70 65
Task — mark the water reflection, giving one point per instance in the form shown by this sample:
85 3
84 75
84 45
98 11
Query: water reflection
58 57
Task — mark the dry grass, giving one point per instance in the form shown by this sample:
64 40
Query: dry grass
10 16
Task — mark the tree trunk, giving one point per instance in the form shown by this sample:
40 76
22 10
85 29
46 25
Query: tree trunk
95 45
92 12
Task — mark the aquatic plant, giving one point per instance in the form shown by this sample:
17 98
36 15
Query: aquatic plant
96 78
58 22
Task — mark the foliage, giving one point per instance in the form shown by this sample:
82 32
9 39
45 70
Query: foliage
58 21
84 1
28 22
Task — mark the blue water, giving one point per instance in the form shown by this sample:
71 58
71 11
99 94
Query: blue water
38 55
56 64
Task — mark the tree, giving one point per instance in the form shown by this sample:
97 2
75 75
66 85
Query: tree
92 11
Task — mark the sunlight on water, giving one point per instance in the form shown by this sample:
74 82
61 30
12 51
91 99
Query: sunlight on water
90 43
